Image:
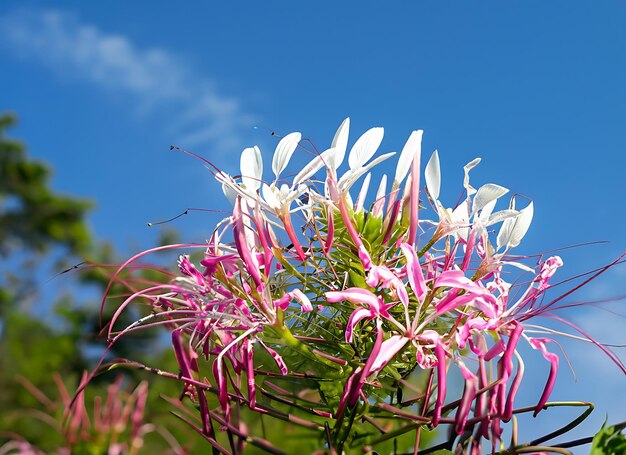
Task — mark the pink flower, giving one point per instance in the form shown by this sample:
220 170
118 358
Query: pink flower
303 299
388 350
414 272
375 306
389 280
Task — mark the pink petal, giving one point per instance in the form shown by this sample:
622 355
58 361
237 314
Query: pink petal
457 279
355 295
414 272
303 299
187 268
441 382
388 350
508 409
469 394
242 245
356 390
416 142
283 302
357 315
249 352
540 343
280 363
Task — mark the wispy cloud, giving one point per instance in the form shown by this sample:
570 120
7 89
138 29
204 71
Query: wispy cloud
153 77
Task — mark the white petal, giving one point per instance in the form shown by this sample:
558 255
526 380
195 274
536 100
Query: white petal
432 174
230 186
485 213
363 193
284 150
412 146
461 213
382 188
460 219
469 166
251 165
522 223
502 215
314 165
486 194
365 147
520 266
514 229
270 196
230 193
348 179
340 142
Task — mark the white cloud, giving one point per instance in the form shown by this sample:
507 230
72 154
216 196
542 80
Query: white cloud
154 77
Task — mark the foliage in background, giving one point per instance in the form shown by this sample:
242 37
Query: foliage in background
41 234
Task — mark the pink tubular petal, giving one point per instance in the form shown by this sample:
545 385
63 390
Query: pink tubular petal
264 238
482 400
440 354
181 355
377 274
328 243
548 269
356 389
388 350
540 343
303 299
286 219
280 363
508 409
364 257
248 259
505 365
249 353
464 332
389 280
441 382
357 315
414 272
347 391
377 207
355 295
453 301
362 251
416 136
469 248
457 279
185 364
283 302
495 350
469 394
187 268
222 385
391 220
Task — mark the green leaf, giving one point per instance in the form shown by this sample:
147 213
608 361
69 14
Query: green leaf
609 441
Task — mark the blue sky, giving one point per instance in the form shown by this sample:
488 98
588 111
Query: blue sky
534 88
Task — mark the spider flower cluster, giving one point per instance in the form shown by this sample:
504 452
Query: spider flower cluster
313 307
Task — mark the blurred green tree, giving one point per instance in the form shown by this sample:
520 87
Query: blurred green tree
42 232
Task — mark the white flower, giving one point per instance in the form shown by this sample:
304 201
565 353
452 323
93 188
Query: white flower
280 198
